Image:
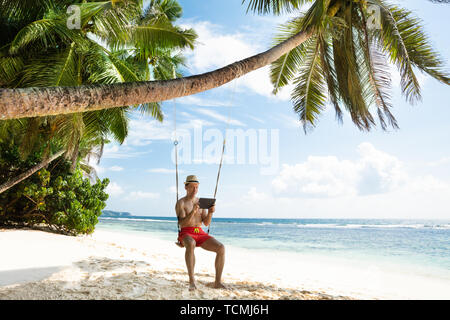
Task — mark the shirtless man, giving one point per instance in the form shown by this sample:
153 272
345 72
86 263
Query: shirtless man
190 219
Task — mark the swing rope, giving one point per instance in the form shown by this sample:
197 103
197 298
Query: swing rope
175 142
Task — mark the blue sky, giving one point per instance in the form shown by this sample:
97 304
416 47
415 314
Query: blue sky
335 171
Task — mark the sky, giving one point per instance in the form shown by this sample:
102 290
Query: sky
272 169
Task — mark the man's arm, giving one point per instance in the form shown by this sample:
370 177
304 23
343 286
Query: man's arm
206 217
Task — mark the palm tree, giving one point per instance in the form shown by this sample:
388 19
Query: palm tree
10 183
332 39
41 51
346 60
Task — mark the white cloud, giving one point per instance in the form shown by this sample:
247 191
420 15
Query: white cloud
197 101
259 82
220 117
254 196
113 189
111 151
380 171
137 195
99 169
143 131
318 176
441 162
256 119
164 170
194 124
374 185
116 151
374 172
429 183
216 49
115 168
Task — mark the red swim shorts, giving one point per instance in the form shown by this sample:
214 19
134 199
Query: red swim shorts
195 233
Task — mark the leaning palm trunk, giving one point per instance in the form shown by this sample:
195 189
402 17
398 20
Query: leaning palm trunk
29 172
33 102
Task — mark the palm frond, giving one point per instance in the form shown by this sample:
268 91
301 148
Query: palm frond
169 9
43 34
29 10
10 67
417 44
52 69
392 37
70 131
125 72
315 16
98 67
308 96
109 21
117 119
329 74
285 68
161 33
349 75
274 6
152 109
11 130
378 78
29 137
96 126
166 64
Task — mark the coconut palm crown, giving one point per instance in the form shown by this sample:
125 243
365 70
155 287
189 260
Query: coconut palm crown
346 61
114 42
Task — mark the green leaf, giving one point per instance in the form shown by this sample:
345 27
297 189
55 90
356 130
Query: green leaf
274 6
308 95
285 68
43 34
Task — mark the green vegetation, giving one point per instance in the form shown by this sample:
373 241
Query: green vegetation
117 41
62 200
345 61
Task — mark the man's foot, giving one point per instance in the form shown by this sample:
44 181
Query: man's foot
192 286
219 285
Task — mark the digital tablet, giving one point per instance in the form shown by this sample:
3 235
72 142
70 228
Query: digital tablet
206 203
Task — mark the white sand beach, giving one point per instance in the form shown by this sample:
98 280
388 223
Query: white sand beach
112 265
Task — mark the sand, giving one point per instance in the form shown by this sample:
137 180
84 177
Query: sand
111 265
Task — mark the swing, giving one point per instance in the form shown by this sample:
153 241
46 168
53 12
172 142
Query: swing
178 243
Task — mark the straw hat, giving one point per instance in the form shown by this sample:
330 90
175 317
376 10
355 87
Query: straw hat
191 178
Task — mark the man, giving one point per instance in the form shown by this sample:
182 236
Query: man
190 219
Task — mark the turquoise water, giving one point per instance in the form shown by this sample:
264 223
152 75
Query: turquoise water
417 244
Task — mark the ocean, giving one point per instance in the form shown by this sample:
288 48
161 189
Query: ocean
420 247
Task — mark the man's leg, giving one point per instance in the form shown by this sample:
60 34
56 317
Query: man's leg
189 256
217 247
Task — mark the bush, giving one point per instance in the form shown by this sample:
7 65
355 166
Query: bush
63 201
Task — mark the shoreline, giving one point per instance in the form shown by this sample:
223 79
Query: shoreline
119 265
